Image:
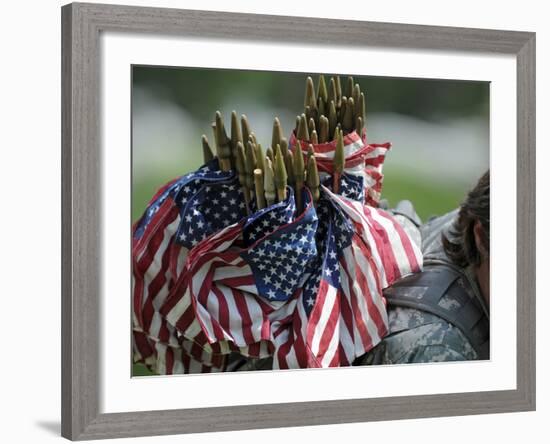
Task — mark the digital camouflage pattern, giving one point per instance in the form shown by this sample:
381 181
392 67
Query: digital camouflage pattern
417 336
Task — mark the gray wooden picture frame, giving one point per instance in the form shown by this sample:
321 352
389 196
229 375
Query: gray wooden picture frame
81 238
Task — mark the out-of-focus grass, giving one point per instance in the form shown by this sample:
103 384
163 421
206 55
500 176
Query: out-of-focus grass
141 370
429 198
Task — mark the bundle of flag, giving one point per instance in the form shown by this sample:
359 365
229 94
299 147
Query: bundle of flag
255 255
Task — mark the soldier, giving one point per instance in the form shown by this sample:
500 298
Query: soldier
442 313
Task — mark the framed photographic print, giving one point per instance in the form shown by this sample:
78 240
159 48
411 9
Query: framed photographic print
306 205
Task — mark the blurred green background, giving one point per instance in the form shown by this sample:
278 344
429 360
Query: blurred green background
439 129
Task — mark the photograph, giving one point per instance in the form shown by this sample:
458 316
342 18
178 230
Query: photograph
285 220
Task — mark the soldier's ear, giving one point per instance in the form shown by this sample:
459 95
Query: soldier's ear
481 240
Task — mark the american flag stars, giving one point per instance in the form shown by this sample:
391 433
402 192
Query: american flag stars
284 250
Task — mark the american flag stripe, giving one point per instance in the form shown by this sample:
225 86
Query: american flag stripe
322 318
362 159
397 254
149 273
364 331
370 297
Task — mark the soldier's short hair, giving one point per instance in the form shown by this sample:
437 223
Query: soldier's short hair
460 244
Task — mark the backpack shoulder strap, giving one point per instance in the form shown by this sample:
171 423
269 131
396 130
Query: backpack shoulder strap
440 290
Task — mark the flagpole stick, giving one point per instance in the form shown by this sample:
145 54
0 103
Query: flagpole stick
299 176
314 138
236 136
277 133
289 166
313 181
338 92
357 98
240 164
245 128
223 146
350 86
359 126
347 120
362 109
280 175
250 166
269 184
322 92
323 130
342 111
332 94
310 100
332 118
259 187
311 125
269 154
260 158
303 133
339 161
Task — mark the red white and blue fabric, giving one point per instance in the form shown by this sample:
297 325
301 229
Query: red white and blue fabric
363 160
182 213
210 281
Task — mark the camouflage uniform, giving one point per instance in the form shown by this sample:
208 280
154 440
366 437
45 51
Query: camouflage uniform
416 335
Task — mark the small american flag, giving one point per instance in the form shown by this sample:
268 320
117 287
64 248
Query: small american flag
176 219
363 160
